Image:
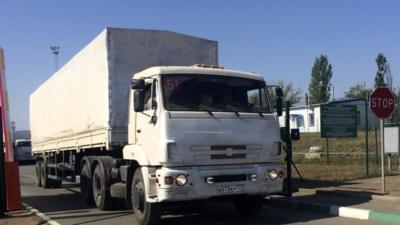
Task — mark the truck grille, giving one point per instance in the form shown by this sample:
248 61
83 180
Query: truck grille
205 153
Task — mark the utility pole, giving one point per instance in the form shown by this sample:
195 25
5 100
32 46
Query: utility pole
55 50
288 151
3 205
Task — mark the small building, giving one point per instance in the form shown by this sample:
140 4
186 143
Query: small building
308 118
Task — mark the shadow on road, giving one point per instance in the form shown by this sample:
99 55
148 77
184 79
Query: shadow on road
306 183
223 213
55 203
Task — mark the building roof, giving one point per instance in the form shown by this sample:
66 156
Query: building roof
331 102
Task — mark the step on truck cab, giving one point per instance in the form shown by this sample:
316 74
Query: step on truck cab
172 133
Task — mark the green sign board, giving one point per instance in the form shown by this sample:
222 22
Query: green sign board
338 121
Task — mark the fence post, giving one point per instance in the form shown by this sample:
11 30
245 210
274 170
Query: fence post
376 145
366 136
327 151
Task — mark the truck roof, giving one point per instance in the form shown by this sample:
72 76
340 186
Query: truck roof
195 70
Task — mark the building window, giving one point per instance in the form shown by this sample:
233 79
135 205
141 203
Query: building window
358 118
311 120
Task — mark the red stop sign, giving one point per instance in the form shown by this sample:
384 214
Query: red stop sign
381 102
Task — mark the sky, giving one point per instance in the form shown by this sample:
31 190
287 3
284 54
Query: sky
278 39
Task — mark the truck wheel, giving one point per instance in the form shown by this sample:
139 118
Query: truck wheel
145 213
38 173
249 205
101 193
86 185
44 176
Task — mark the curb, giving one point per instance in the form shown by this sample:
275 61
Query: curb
42 216
334 210
372 196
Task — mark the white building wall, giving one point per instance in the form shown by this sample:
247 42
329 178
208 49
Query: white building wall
306 126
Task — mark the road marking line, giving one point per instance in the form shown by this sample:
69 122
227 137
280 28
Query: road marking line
40 214
362 214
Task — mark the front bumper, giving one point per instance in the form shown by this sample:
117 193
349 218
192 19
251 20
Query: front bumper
198 185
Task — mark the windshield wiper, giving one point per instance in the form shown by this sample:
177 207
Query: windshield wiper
260 113
209 112
205 108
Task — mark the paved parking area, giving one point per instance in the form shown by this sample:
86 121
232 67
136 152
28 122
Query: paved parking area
66 207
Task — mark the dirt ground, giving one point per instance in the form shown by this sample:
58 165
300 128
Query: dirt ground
21 217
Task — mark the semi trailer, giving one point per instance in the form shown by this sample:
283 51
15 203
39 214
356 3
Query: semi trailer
149 119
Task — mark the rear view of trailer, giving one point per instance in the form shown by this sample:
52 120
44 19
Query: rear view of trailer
85 103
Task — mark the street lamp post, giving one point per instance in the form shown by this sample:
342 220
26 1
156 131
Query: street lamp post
55 50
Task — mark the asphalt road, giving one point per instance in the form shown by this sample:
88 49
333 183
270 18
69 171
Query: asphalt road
66 207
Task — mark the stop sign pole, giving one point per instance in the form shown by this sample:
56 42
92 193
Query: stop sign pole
382 104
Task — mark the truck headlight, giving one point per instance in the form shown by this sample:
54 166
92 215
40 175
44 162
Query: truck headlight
272 174
181 180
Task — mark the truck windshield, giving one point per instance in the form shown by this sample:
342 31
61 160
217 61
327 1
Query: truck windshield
199 92
23 144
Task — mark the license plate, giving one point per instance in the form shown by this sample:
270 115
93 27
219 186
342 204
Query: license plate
229 189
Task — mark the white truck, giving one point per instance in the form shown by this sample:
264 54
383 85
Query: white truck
173 132
23 150
22 146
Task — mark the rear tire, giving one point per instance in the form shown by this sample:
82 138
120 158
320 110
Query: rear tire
101 193
86 184
38 177
249 205
44 176
144 212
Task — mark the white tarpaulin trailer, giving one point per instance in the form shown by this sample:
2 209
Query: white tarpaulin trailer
85 103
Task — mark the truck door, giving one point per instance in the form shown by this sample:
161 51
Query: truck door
147 129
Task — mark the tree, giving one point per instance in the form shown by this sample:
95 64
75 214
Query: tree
396 114
380 74
357 91
290 93
320 85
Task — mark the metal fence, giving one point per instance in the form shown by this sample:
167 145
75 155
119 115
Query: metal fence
339 159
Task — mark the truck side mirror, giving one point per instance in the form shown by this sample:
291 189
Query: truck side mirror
138 100
137 84
279 104
279 92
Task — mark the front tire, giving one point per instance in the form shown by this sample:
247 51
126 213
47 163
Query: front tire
144 212
249 205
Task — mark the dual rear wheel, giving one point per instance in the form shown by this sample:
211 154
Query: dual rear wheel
42 176
95 189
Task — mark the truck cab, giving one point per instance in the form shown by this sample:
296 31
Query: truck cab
201 132
23 150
